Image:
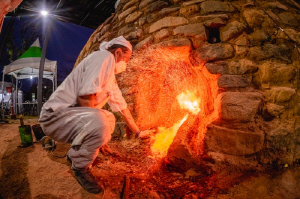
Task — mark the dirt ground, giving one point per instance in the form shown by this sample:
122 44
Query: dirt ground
129 172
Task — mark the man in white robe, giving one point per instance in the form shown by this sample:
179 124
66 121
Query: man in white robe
73 113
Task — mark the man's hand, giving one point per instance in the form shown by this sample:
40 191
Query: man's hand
145 134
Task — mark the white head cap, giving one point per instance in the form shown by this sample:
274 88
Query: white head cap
119 40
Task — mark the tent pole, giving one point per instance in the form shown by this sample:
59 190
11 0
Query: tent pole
17 96
2 102
41 69
56 77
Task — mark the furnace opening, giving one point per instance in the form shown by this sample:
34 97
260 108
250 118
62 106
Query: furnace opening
163 75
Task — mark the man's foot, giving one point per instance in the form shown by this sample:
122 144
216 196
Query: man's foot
87 180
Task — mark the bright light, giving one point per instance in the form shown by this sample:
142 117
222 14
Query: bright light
30 76
189 101
44 13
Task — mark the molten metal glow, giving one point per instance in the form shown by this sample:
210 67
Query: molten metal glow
164 139
189 102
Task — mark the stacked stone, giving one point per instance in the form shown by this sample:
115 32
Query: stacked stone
257 61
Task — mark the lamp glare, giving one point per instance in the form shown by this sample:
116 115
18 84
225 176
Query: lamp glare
44 13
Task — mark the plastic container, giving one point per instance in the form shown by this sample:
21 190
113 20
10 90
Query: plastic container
25 134
38 131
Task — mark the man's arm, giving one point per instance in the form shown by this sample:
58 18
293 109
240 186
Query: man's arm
86 100
130 121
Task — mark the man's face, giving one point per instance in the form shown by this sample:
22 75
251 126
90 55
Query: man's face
121 56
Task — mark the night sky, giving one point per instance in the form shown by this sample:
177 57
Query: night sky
65 43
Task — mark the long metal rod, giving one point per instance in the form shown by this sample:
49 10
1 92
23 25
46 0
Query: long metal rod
41 69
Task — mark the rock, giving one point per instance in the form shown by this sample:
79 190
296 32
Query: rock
271 50
105 29
197 43
213 52
242 66
293 34
188 3
126 12
133 17
167 22
254 17
233 142
276 72
153 194
180 42
233 81
152 17
193 30
126 29
142 21
241 45
216 6
269 24
220 159
129 4
144 3
288 19
162 34
249 4
231 30
132 35
239 106
157 5
297 109
217 67
189 10
274 109
275 5
268 51
199 19
215 23
281 94
146 42
167 11
258 36
256 53
289 182
176 1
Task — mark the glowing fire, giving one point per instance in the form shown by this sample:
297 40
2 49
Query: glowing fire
189 102
165 136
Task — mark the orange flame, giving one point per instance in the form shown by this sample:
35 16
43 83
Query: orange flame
164 138
189 102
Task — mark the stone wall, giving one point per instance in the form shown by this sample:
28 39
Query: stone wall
253 46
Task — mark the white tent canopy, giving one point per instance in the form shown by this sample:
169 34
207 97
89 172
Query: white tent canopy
23 69
27 66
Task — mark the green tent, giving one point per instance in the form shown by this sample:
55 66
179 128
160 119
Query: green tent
27 66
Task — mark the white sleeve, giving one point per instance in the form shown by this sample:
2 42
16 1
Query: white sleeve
95 74
116 101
